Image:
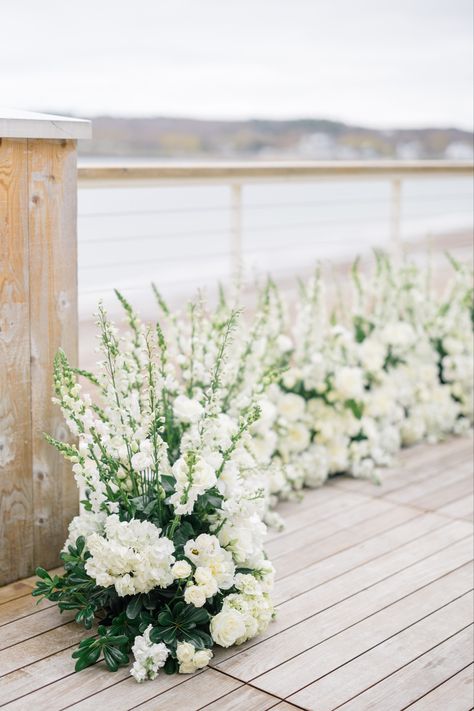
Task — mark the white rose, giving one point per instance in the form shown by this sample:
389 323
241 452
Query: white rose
185 652
297 438
195 595
205 579
348 382
181 569
202 658
291 406
227 627
372 355
187 410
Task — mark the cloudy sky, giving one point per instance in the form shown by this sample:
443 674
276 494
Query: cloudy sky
373 62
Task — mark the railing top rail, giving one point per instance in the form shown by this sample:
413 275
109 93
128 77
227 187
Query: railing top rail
262 171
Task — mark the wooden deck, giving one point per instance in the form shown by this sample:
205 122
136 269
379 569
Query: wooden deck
375 611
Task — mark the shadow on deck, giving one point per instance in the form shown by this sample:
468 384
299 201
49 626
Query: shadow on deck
375 611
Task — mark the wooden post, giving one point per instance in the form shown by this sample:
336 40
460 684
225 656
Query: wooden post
38 314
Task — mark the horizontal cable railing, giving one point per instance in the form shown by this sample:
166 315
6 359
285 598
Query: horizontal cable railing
187 225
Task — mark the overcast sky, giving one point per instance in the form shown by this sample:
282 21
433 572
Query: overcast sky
373 62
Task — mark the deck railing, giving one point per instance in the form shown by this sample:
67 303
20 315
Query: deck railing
260 211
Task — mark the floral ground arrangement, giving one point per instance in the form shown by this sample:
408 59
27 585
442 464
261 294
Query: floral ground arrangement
193 429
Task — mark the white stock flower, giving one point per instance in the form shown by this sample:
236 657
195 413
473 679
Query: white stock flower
187 410
149 657
131 555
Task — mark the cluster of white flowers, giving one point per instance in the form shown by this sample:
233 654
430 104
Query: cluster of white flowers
149 657
393 370
190 659
214 569
132 556
244 614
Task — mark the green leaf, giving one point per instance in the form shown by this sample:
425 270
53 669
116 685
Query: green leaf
87 659
357 408
184 533
171 666
195 615
165 618
134 607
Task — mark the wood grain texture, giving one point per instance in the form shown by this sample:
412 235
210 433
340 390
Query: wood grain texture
409 664
16 488
53 308
38 314
456 694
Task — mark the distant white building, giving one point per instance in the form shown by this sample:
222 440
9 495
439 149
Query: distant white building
409 151
458 150
317 145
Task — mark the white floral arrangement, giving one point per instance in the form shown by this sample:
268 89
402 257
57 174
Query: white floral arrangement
167 552
400 314
200 424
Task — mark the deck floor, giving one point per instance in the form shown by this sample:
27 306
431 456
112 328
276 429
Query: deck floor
375 611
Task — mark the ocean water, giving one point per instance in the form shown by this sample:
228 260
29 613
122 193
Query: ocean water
181 237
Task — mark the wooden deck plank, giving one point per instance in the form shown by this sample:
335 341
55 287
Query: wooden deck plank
291 659
375 548
322 658
416 492
39 647
318 511
245 697
413 464
311 550
373 607
319 530
461 508
446 495
24 628
21 607
456 694
403 680
44 672
304 604
165 693
21 588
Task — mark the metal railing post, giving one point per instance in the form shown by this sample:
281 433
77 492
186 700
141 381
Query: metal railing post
235 230
395 216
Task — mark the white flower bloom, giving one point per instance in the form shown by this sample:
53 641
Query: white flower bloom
187 410
191 659
227 627
132 556
195 595
181 570
149 657
291 406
